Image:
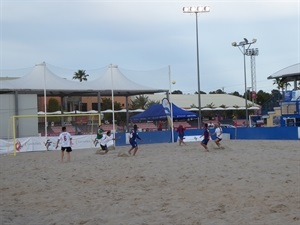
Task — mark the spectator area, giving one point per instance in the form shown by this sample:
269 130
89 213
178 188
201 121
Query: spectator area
147 126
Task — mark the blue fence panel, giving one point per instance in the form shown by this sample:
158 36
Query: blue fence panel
241 133
263 133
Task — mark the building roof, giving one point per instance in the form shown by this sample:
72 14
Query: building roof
186 101
290 73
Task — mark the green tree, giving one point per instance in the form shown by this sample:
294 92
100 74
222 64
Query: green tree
107 104
219 91
139 102
53 105
235 93
177 92
151 102
211 105
281 83
80 75
262 97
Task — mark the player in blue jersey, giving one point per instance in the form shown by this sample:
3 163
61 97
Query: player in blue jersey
206 137
132 140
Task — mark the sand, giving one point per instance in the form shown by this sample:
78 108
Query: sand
249 182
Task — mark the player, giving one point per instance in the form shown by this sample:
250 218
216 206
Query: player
105 139
66 142
219 133
205 136
132 140
100 132
180 130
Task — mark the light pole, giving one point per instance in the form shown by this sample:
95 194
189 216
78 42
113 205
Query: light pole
171 105
197 10
244 50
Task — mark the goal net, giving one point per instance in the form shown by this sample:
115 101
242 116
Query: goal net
40 132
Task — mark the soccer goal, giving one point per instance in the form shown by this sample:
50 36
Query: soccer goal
40 132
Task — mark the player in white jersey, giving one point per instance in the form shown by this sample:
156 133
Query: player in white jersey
104 141
65 139
219 134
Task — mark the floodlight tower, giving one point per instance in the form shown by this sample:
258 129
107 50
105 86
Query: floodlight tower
197 10
252 53
242 47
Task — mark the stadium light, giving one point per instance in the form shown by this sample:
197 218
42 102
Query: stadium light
197 10
242 47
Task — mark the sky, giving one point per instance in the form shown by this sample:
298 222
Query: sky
154 36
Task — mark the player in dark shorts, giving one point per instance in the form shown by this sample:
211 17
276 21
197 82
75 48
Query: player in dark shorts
132 140
105 139
65 139
205 136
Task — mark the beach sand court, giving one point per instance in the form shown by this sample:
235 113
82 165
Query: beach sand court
247 183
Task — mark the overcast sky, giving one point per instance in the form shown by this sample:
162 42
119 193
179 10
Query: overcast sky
148 35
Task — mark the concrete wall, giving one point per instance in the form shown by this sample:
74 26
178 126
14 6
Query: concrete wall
27 105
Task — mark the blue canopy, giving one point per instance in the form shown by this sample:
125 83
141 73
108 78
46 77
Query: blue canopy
157 112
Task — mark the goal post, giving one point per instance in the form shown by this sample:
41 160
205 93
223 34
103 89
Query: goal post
43 127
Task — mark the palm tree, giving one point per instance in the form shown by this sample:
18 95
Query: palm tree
281 83
151 102
139 102
80 75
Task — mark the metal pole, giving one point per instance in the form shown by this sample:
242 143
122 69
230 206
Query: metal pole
245 77
171 106
113 101
244 52
198 75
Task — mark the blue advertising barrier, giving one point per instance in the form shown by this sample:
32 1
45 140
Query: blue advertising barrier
241 133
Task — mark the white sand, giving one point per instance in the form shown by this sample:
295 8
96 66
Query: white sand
249 182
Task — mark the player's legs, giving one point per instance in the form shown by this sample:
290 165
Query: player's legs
179 141
68 150
204 144
62 154
217 141
68 157
129 151
133 146
135 150
106 149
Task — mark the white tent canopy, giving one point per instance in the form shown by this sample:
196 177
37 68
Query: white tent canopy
114 80
41 79
42 82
